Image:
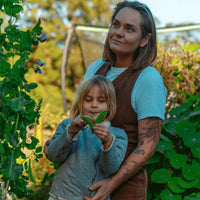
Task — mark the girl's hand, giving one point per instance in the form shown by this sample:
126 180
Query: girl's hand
102 132
77 124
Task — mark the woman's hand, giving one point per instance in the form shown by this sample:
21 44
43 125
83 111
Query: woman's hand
103 189
148 136
77 124
102 132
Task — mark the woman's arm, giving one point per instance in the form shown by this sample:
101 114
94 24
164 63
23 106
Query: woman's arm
148 137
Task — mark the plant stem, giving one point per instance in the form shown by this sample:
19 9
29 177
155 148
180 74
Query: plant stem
8 181
11 164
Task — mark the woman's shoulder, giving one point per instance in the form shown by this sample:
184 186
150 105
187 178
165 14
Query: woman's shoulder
150 74
150 70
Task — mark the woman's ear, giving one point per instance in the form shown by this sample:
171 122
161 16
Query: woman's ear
145 40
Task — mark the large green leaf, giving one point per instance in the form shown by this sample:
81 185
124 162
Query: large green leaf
194 196
191 138
170 127
16 104
196 165
101 117
186 184
178 111
33 144
178 160
174 186
196 150
168 195
164 145
12 33
169 153
5 67
12 10
31 86
184 127
25 44
161 176
37 29
189 172
197 186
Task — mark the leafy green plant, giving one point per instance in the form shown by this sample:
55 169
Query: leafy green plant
18 111
98 120
178 64
174 168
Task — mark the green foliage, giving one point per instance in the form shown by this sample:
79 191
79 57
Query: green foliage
179 64
174 168
43 172
18 111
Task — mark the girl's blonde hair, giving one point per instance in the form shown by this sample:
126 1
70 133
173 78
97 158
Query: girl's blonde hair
107 88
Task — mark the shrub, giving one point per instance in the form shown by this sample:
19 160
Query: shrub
179 65
174 168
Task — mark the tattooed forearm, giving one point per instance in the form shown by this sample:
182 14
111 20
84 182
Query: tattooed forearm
148 136
128 169
150 130
138 150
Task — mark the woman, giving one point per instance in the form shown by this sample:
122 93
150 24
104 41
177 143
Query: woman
129 50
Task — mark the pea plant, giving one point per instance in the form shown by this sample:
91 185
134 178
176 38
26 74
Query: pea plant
18 111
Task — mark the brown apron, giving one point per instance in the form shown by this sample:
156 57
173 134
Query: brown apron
126 118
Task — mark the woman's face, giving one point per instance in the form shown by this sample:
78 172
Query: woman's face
94 102
125 35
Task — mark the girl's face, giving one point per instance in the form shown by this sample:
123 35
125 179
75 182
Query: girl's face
125 35
94 102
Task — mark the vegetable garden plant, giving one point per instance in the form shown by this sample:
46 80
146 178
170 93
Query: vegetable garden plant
174 168
18 111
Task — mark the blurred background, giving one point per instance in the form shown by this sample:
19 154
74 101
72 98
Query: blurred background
57 18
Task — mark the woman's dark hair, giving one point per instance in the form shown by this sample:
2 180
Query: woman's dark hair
143 56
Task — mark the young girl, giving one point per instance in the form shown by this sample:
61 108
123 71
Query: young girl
86 157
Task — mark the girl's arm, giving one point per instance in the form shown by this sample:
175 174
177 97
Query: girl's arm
60 143
112 157
149 133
